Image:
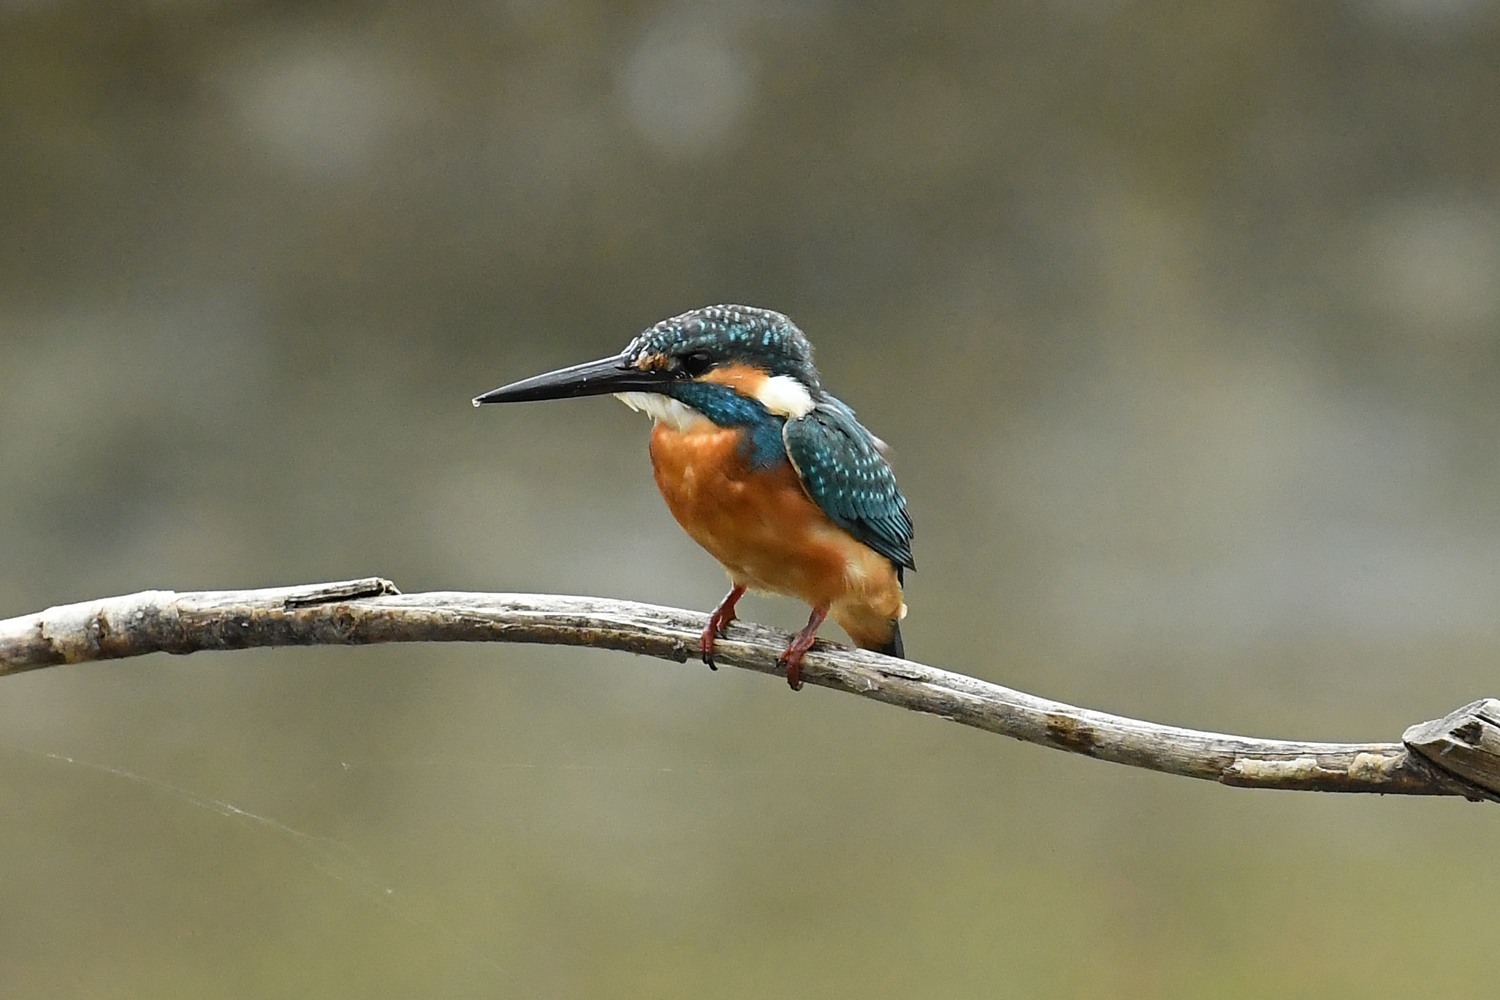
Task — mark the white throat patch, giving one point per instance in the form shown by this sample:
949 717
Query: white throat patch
663 409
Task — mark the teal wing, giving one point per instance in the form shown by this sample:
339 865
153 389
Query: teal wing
845 474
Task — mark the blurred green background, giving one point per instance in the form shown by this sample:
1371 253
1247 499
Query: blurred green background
1182 322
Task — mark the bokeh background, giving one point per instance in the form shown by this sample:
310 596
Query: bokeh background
1180 318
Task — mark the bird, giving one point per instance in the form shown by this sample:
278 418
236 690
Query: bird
765 469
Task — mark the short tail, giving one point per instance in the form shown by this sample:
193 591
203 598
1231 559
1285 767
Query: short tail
871 630
894 647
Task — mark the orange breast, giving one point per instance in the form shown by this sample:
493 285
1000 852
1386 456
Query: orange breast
765 530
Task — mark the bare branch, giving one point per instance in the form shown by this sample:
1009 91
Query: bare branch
1457 755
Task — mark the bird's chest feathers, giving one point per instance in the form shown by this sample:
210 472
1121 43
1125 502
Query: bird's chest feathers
730 506
704 469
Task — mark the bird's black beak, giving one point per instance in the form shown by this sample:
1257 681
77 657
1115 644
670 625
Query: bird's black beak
592 378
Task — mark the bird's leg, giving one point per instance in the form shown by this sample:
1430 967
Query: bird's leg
800 644
718 622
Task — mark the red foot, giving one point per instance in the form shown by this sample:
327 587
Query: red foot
718 622
800 644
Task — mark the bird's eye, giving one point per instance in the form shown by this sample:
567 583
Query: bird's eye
696 363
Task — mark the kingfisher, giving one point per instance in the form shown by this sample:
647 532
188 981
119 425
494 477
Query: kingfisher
762 467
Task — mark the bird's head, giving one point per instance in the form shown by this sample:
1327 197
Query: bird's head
708 363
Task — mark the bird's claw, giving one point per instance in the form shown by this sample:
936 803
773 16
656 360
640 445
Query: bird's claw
718 624
791 658
706 644
793 668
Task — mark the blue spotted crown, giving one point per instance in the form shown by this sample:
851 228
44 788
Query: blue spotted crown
767 339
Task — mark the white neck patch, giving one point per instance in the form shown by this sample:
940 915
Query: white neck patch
663 409
785 397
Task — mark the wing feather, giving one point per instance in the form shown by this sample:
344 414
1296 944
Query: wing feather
843 471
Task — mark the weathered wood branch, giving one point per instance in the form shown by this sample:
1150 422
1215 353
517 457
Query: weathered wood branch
1456 755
